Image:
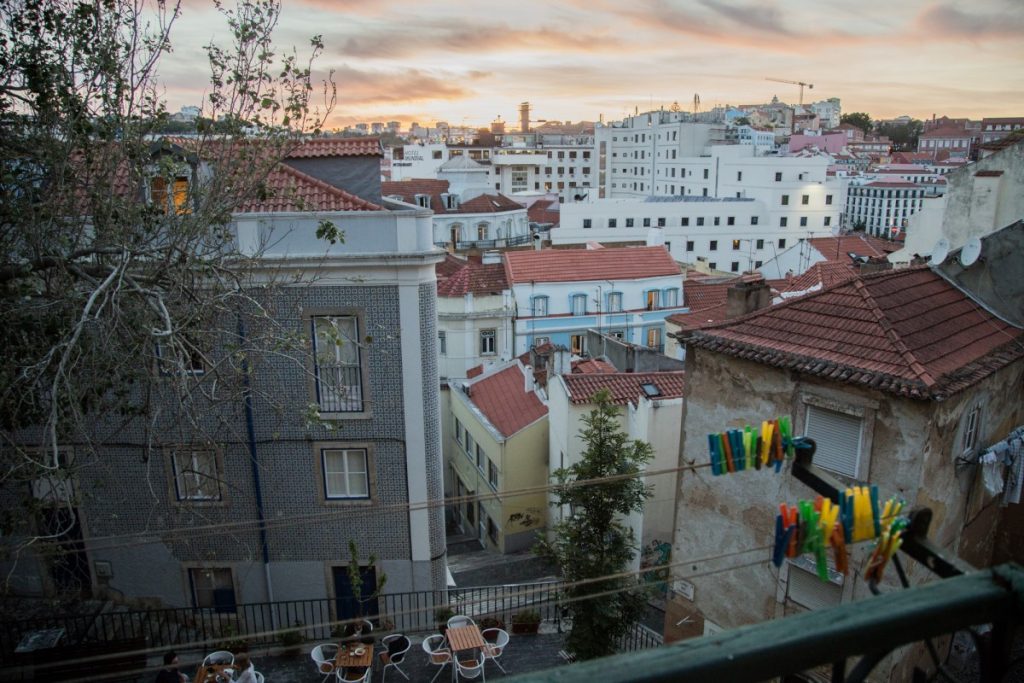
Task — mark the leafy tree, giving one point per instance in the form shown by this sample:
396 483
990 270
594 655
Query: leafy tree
742 121
115 248
859 119
593 541
902 135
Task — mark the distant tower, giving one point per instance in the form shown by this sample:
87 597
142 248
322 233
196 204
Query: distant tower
524 117
498 126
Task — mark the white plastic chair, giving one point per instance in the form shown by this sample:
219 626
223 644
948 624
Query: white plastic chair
259 676
347 677
471 668
393 659
438 656
219 657
460 620
324 656
497 641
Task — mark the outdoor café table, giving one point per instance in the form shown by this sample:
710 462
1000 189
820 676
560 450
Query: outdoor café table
465 638
214 672
347 656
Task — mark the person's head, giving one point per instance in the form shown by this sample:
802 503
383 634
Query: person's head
242 661
170 658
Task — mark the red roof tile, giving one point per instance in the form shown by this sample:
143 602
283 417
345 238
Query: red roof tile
505 402
838 248
488 203
821 275
623 386
906 332
592 366
988 174
292 190
473 277
569 265
408 189
337 147
475 371
541 212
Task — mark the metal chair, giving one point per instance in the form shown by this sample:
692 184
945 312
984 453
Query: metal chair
219 657
460 620
324 656
438 656
471 668
497 641
259 676
350 676
397 646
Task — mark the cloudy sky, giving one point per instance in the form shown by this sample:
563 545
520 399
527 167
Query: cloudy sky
471 61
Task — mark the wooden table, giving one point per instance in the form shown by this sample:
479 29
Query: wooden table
465 638
347 657
210 673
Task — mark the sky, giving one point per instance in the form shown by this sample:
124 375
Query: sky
472 61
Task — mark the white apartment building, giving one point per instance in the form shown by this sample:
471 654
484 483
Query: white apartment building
884 207
829 111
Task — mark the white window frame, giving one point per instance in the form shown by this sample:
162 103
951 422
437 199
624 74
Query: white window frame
540 341
346 472
540 306
196 471
970 430
614 302
488 342
492 474
670 297
349 398
442 343
578 304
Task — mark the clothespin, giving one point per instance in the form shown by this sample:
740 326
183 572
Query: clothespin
876 518
766 443
716 458
750 446
727 449
783 537
787 436
777 446
841 557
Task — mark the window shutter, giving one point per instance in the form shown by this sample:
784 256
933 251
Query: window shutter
807 590
838 437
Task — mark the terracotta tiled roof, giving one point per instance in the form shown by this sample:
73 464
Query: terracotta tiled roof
592 366
988 174
505 402
449 266
570 265
820 276
623 386
475 371
906 332
408 189
541 212
895 184
837 248
292 190
473 277
488 203
337 147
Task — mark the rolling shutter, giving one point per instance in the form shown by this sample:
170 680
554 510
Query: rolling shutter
807 590
838 437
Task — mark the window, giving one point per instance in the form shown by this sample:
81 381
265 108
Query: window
684 221
735 245
612 222
783 222
753 220
782 243
838 436
196 475
700 221
704 192
670 297
713 245
705 174
586 223
442 343
480 458
576 344
629 222
828 199
469 445
540 306
828 221
346 474
487 339
213 589
805 199
803 221
969 437
717 220
647 222
481 231
436 154
187 360
337 369
578 304
785 200
654 337
689 245
713 265
492 531
735 266
175 200
652 299
757 264
759 244
458 431
614 302
739 176
661 222
492 474
731 220
778 176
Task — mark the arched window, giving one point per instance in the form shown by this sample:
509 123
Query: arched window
481 231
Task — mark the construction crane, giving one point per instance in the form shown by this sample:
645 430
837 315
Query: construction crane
810 86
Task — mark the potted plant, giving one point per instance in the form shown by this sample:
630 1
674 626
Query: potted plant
491 621
526 621
441 616
232 641
292 639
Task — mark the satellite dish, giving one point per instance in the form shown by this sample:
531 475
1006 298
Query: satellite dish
940 251
971 252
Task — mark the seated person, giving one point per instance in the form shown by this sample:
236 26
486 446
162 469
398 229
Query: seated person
244 669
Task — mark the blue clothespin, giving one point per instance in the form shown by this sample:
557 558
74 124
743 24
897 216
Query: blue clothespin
716 462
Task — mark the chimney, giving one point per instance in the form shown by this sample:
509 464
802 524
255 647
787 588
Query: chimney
747 297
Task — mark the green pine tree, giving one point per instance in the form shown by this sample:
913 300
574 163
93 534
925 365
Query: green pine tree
593 541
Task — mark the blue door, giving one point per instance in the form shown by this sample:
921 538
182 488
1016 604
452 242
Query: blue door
346 605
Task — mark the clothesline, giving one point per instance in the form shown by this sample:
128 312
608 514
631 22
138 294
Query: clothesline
1009 454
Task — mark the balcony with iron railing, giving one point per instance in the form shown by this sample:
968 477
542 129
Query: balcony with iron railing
339 388
514 241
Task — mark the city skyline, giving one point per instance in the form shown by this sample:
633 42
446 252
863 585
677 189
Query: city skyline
576 60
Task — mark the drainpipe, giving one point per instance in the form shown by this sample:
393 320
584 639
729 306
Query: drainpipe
250 425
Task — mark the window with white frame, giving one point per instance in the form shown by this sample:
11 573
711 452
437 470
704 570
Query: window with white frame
458 431
652 299
969 433
442 343
540 306
337 369
614 302
346 473
196 475
839 439
654 337
487 342
469 445
540 341
480 458
670 297
577 344
578 304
